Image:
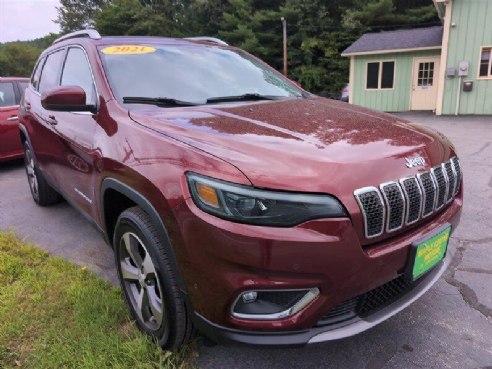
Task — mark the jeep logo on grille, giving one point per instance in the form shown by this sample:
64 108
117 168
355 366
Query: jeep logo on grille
417 161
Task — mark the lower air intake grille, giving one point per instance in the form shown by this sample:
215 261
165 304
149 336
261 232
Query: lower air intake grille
370 302
340 313
380 297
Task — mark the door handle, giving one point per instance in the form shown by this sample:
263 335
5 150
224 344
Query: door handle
52 120
12 118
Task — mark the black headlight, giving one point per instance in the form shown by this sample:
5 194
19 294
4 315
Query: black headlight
245 204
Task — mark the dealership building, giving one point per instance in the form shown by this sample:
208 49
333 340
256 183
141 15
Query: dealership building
446 69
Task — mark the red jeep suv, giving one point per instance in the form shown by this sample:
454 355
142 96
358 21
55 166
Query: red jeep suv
236 202
11 90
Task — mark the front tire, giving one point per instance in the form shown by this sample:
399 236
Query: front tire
148 280
42 193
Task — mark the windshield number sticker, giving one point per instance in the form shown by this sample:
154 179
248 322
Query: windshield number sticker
127 50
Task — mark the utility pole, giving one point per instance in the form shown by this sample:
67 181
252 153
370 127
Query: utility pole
284 26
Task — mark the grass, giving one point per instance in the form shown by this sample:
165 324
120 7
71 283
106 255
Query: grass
54 314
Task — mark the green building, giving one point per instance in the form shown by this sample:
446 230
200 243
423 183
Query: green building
446 69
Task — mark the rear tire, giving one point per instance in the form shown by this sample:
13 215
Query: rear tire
42 193
148 280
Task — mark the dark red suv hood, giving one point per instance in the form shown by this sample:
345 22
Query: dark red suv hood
315 145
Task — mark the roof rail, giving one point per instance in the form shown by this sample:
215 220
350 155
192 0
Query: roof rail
90 33
208 39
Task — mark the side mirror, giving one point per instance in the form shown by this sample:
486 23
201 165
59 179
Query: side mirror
66 98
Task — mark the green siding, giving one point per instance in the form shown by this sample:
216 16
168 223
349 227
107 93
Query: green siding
397 99
473 19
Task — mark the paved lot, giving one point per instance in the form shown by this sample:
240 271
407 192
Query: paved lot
449 327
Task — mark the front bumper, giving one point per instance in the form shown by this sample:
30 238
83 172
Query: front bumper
322 334
221 259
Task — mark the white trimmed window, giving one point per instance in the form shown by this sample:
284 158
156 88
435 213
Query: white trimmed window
485 70
380 75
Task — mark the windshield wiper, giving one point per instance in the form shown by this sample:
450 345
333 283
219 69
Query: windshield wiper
159 101
245 97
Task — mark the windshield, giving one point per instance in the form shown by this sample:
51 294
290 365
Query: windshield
190 73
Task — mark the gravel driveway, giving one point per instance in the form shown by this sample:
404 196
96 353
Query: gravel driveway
449 327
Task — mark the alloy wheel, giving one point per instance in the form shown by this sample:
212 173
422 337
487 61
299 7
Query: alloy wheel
141 282
31 173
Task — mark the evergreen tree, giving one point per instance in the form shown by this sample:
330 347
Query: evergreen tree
74 15
318 31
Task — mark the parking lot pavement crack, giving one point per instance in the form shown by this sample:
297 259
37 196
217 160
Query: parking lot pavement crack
476 270
466 241
482 149
467 293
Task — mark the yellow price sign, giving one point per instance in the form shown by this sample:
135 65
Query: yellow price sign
128 50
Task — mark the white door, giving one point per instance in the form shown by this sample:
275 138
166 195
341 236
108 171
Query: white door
424 83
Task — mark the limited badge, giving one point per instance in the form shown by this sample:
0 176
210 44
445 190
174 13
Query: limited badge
128 50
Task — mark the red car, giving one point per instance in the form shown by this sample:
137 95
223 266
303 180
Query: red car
236 202
11 90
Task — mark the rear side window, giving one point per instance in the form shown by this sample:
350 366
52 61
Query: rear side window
7 94
22 90
50 73
37 74
77 72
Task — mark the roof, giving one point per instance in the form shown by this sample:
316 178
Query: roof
133 40
418 38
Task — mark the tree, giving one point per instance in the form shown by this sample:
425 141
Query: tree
131 17
18 60
255 26
378 15
74 15
318 30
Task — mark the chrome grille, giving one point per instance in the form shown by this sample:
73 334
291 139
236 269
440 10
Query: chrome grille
457 168
393 196
450 173
429 191
441 182
371 203
414 199
405 202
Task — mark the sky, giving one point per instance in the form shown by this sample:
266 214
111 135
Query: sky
27 19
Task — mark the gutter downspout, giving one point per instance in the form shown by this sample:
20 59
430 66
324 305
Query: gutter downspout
458 97
444 56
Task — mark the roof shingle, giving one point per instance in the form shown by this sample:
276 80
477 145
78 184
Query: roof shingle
397 40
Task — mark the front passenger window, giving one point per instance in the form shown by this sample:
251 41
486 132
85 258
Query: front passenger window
77 72
51 70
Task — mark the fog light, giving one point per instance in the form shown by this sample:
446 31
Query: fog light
272 305
250 297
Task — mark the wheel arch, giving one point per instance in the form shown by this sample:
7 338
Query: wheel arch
135 198
24 137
